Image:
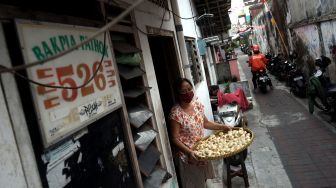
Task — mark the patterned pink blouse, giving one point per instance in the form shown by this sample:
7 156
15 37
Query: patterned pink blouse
191 126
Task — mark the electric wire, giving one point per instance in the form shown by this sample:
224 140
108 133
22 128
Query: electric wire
99 32
66 87
192 13
184 18
180 16
160 28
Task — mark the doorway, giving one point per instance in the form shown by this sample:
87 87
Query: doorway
166 69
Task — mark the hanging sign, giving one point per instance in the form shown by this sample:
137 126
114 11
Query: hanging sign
62 112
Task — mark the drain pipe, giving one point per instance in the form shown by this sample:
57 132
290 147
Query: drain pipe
181 41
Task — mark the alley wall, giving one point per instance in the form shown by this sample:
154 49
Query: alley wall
190 29
313 25
150 15
307 26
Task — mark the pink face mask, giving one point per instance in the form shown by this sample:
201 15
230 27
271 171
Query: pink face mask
187 97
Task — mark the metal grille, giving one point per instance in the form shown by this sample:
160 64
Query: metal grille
195 65
161 3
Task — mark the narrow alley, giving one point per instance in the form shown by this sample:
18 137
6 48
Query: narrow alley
292 147
304 143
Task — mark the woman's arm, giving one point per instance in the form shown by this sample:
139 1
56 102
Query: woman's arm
214 126
175 128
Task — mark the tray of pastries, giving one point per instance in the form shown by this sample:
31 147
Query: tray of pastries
223 144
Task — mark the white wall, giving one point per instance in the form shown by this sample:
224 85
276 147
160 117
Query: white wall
11 173
18 121
186 11
148 14
190 29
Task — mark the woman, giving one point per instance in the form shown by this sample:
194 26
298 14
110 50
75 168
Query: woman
187 124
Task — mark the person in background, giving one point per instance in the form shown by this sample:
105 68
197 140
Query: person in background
257 62
187 123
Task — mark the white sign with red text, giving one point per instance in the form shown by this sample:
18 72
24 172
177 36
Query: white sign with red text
62 112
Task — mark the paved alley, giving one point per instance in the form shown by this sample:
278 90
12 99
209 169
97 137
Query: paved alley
292 148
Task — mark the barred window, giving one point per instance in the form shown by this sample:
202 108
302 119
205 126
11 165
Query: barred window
194 62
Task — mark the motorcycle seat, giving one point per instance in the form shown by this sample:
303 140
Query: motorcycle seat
227 114
332 90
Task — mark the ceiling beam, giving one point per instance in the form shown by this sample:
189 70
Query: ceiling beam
215 5
212 2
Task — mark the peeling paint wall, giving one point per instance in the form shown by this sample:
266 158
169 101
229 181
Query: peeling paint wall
310 38
306 9
260 33
316 39
265 33
310 41
328 30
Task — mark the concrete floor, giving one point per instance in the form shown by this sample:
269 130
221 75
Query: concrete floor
281 154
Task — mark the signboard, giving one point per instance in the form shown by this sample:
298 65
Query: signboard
62 112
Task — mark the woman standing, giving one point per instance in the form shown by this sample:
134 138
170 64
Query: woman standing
187 121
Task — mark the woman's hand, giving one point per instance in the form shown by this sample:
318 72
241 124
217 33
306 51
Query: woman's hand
226 128
192 159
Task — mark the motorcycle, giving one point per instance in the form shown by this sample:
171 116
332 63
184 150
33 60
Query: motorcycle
232 115
286 67
275 64
320 88
246 49
263 80
297 82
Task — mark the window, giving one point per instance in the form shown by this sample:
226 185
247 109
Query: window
194 62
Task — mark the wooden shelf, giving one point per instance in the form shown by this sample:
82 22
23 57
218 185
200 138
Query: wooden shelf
156 178
138 115
129 72
148 159
134 93
125 48
144 137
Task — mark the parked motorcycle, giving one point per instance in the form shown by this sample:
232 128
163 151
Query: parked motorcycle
286 67
297 82
275 65
320 88
232 115
246 49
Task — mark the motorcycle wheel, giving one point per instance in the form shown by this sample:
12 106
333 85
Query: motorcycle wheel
263 89
235 160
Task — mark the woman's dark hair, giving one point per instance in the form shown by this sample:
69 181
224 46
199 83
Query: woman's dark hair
177 87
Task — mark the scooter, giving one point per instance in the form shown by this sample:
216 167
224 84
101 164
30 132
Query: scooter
297 83
232 115
321 88
263 80
276 65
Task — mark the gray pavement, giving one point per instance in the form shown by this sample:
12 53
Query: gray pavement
292 148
